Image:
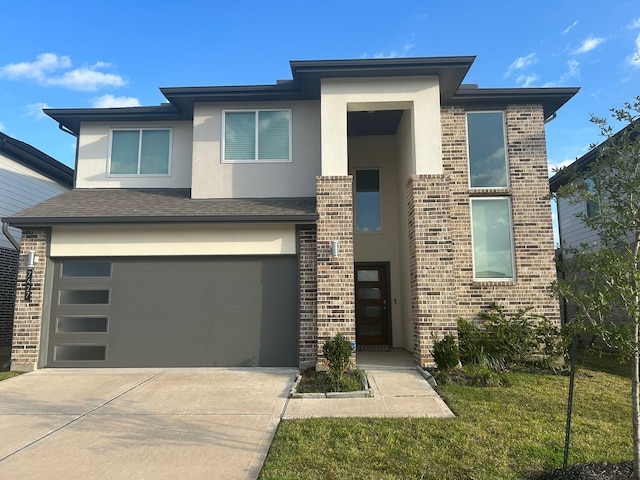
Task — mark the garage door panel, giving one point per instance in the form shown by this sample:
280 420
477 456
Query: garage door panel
215 311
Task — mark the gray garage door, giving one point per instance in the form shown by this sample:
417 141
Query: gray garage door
159 312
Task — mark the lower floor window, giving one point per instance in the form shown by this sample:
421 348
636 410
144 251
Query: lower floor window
492 238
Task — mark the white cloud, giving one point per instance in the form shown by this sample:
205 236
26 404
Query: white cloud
635 24
35 110
48 69
634 59
527 80
408 46
1 126
109 101
569 28
521 63
589 44
36 70
86 79
392 54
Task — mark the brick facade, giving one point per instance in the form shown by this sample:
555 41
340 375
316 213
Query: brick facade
531 214
307 258
8 275
28 314
433 302
335 281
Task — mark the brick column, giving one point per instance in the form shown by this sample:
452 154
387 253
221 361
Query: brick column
430 263
335 300
308 340
27 321
8 274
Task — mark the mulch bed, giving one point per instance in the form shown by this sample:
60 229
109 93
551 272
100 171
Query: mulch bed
593 471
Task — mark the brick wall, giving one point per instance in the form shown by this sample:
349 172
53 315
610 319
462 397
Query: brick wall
28 314
531 213
431 262
8 275
308 339
335 307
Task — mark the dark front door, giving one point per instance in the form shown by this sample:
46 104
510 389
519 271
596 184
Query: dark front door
372 317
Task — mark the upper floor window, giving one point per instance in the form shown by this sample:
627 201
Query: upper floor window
487 152
144 151
593 208
257 135
367 212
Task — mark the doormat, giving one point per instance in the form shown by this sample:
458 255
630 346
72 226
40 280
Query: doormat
373 348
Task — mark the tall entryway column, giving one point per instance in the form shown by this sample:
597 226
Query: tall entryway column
430 263
335 300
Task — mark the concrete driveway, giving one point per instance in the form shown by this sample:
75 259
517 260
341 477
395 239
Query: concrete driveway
140 423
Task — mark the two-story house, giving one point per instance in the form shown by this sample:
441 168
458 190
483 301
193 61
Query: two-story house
244 225
27 177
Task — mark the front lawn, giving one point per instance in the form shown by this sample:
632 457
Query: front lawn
513 432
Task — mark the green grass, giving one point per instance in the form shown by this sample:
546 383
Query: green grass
513 432
5 375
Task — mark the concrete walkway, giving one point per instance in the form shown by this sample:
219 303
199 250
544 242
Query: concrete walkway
398 392
174 423
140 423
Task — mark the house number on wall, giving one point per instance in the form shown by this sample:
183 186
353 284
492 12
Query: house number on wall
27 285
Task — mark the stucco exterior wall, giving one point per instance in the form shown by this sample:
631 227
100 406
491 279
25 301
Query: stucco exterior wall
93 157
419 95
214 179
171 240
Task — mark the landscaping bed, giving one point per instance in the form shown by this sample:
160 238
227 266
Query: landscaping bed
316 384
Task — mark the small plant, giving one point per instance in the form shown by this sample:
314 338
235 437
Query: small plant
445 353
337 352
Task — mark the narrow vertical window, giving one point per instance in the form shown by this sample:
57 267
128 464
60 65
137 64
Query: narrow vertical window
492 238
367 202
487 153
593 208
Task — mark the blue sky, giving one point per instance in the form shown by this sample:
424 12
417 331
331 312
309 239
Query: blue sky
77 54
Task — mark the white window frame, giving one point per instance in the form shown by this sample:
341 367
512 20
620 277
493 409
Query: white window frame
138 174
255 159
355 210
513 278
506 151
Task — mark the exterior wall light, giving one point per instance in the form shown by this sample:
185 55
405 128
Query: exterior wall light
334 248
31 259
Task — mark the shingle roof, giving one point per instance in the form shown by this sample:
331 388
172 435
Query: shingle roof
158 206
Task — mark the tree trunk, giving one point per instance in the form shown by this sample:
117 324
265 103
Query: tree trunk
636 406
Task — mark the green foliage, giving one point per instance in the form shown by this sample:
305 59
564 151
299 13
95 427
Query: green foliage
519 428
504 340
323 382
337 351
445 353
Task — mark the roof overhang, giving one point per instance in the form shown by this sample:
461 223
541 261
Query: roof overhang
36 160
551 99
71 118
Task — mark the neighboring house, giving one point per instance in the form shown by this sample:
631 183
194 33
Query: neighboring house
245 225
27 176
573 232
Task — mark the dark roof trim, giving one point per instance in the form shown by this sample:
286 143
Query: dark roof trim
71 118
36 160
550 98
562 177
305 85
22 222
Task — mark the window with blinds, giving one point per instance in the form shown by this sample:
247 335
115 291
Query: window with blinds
256 136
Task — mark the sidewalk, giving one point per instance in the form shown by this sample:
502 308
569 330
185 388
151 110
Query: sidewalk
398 392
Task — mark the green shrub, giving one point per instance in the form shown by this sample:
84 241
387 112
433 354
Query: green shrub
445 353
337 352
505 340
